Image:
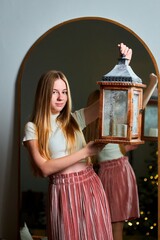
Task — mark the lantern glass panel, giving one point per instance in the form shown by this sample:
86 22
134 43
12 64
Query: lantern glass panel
135 113
151 121
115 108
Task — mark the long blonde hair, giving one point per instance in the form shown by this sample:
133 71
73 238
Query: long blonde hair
41 116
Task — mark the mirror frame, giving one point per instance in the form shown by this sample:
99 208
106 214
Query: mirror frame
20 74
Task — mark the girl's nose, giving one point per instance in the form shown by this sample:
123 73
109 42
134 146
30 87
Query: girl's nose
60 96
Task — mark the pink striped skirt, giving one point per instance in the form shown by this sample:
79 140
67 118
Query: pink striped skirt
78 208
119 182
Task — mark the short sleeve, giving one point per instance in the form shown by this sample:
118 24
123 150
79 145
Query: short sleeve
30 132
80 118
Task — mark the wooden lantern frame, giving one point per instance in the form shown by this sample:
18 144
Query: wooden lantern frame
131 88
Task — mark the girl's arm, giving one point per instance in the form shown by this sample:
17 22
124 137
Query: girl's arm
52 166
153 80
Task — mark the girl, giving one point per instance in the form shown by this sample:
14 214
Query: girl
78 207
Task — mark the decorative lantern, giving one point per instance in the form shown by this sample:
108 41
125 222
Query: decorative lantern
121 95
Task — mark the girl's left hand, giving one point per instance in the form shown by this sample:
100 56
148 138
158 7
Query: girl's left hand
125 51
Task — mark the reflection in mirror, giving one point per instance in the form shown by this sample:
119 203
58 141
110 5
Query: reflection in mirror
84 49
151 120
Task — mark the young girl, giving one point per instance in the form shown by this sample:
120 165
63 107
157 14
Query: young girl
116 173
78 207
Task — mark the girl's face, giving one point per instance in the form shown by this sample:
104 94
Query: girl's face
59 96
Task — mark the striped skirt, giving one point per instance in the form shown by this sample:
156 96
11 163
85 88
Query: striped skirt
119 182
78 208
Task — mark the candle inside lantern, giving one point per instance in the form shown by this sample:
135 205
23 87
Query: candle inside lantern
121 130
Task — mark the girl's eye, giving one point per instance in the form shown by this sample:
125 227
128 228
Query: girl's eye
56 92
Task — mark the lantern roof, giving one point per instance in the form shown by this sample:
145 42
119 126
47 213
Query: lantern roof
122 72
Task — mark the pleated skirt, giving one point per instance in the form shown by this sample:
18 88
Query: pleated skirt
78 207
119 182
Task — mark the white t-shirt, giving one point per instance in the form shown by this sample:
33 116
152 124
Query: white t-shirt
57 141
110 152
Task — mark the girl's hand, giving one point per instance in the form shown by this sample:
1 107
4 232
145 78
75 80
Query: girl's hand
125 51
93 148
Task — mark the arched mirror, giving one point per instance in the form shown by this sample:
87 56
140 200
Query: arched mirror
84 49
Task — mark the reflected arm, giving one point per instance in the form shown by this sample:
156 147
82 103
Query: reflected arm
153 81
91 112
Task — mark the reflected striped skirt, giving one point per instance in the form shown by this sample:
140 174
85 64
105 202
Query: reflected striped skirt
119 182
78 208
